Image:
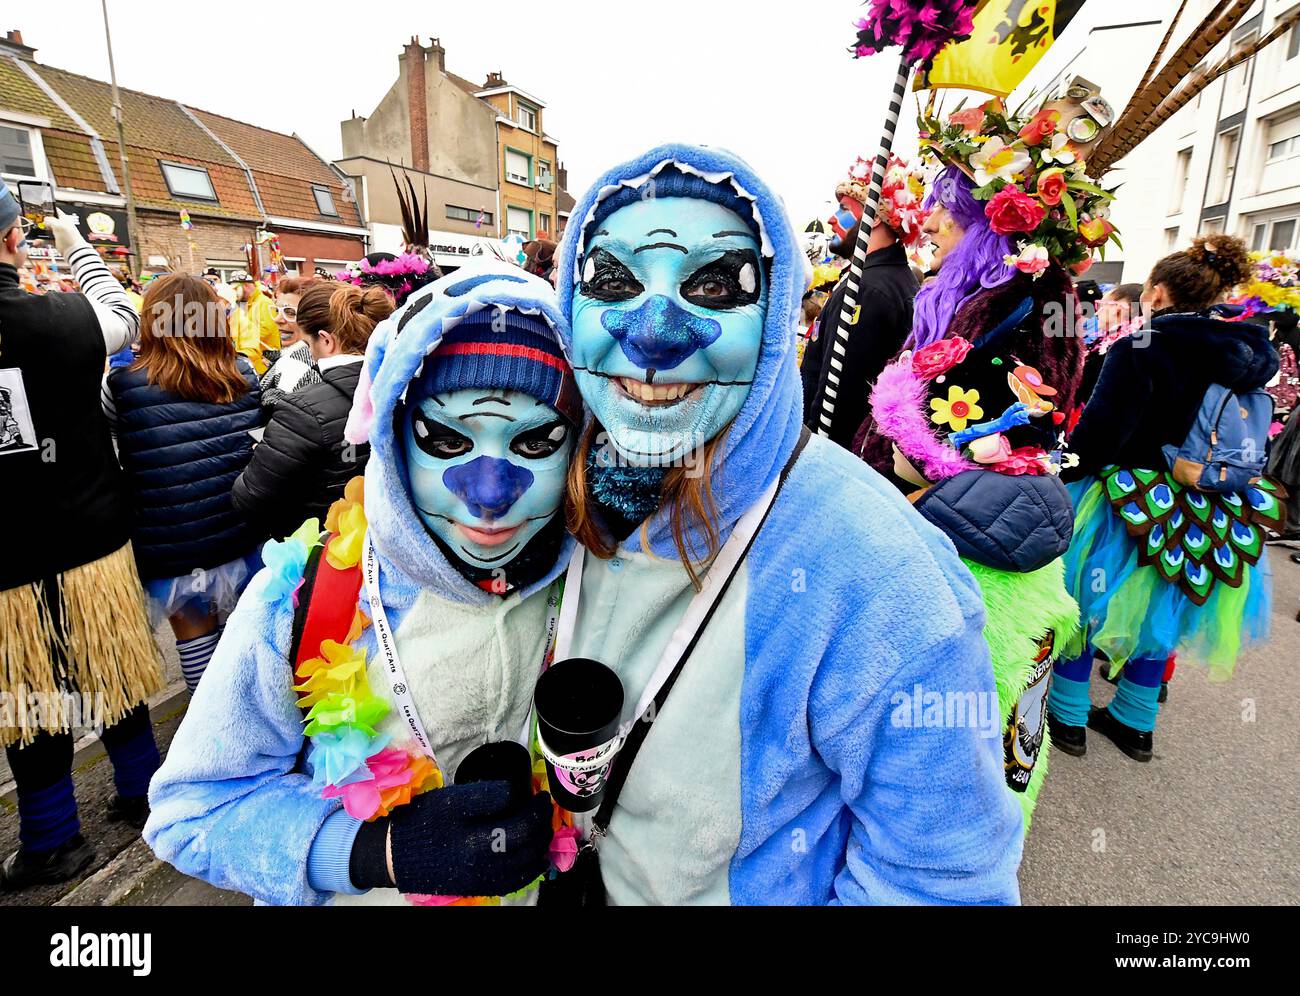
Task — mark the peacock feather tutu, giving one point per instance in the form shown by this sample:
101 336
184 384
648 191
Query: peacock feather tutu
1158 568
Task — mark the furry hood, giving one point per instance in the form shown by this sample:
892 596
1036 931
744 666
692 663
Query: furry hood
394 358
762 437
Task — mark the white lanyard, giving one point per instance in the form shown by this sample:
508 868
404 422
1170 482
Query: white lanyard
400 686
718 573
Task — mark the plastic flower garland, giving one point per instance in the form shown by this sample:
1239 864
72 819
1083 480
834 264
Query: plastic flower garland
1037 189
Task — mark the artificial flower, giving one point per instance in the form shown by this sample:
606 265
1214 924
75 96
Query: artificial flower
1026 460
939 357
1059 151
337 671
285 561
990 449
1082 267
1051 185
1095 231
347 520
1033 260
970 118
1040 126
339 758
564 848
996 160
959 408
1012 211
358 707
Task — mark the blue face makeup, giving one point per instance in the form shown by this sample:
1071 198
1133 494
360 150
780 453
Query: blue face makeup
667 324
486 469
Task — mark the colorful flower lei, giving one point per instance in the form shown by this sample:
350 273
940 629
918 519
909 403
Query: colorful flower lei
1037 188
1274 283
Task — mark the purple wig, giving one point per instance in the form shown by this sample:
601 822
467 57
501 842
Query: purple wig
974 265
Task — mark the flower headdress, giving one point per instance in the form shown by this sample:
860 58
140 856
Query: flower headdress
1033 179
902 196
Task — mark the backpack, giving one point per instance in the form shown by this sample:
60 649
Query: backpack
1227 446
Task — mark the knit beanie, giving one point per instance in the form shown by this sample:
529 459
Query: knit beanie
672 182
9 210
505 349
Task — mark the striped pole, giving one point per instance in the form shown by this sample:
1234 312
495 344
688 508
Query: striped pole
845 318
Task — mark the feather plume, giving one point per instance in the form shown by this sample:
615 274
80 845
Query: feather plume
1145 103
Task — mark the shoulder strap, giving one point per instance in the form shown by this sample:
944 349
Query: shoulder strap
636 737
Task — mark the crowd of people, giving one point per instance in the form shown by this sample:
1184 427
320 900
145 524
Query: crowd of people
837 577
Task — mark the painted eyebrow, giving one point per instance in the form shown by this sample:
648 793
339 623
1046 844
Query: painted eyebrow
601 232
492 397
718 235
655 231
663 245
437 401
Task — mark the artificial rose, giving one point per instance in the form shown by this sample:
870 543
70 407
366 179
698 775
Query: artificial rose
1095 231
1082 267
939 357
1012 211
1040 126
1051 185
970 119
1032 260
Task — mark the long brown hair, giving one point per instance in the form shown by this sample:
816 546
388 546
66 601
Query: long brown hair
687 494
345 311
185 344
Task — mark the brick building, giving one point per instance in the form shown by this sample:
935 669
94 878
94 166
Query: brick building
237 184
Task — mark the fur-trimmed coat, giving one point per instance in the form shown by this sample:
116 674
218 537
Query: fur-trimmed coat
1050 338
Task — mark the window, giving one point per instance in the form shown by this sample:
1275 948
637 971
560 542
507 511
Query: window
1182 170
1283 234
324 200
190 183
519 221
1293 44
526 116
1212 226
1171 239
1240 76
16 156
544 176
1279 150
519 168
469 214
1225 165
543 224
1258 238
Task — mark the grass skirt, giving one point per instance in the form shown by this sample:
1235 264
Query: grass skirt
1130 611
75 653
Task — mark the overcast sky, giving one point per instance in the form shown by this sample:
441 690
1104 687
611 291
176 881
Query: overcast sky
778 88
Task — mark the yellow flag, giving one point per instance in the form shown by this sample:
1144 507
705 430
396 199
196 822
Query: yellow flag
1009 39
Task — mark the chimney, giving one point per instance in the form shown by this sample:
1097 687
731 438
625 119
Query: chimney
13 43
417 100
440 53
494 80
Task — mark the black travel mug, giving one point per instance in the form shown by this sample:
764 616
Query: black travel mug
579 705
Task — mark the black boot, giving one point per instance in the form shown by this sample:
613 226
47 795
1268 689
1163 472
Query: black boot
1136 744
1164 693
133 810
25 868
1073 740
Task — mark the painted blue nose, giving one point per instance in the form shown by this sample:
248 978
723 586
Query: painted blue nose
659 335
488 486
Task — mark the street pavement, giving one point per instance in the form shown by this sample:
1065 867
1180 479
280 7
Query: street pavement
1211 820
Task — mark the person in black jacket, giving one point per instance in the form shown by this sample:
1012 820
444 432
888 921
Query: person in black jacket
884 314
183 414
75 643
1159 566
303 463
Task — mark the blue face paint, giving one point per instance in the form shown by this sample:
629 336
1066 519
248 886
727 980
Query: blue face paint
667 324
486 469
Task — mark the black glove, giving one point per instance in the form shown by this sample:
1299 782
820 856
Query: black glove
462 840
